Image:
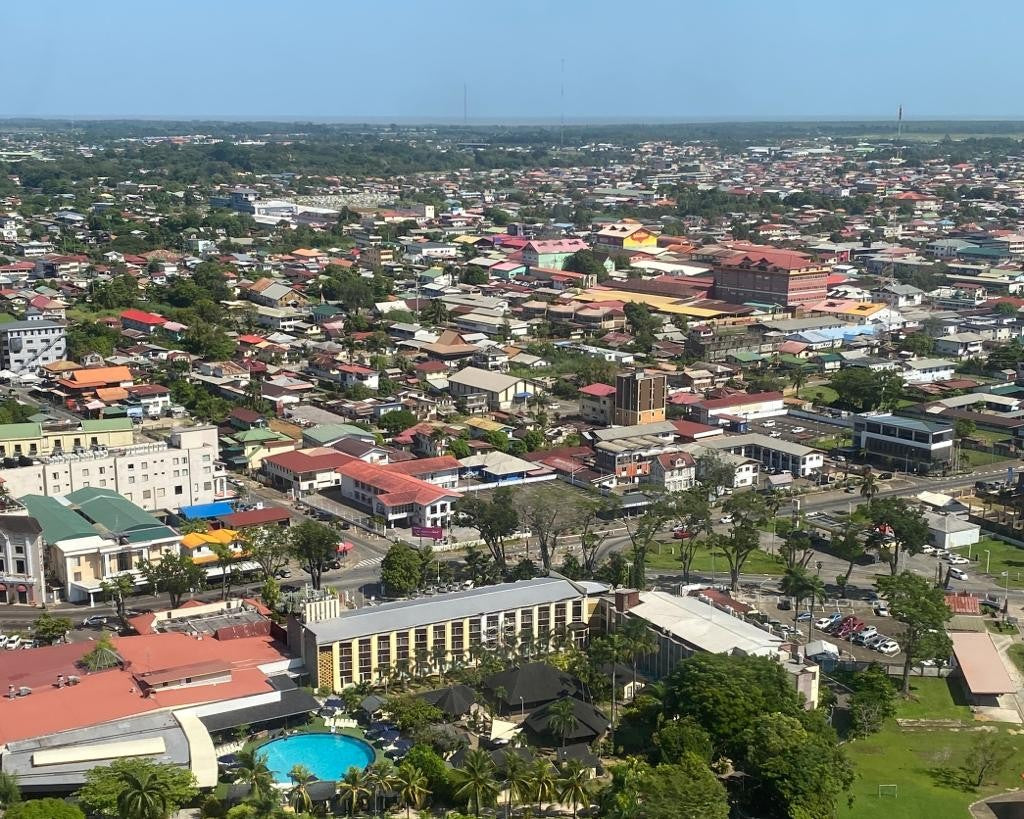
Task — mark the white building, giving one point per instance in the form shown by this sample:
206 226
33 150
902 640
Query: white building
927 370
773 453
27 345
183 471
950 532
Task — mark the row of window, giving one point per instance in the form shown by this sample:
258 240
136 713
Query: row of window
432 644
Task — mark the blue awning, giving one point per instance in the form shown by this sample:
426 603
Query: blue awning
201 511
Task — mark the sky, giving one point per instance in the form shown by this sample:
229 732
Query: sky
403 60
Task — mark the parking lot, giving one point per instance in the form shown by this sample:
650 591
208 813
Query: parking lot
862 611
799 430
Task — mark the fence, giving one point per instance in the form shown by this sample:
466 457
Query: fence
895 669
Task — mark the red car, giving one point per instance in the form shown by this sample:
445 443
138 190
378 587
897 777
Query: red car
682 534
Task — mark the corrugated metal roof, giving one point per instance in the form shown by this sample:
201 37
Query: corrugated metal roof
406 614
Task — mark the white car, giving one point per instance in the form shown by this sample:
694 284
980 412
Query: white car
929 550
823 623
775 434
14 642
799 429
957 560
889 647
3 640
957 574
725 519
768 424
881 609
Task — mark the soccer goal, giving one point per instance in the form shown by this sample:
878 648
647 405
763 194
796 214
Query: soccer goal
889 790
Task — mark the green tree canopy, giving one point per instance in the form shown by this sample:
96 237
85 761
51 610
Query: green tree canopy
47 808
105 784
176 575
401 570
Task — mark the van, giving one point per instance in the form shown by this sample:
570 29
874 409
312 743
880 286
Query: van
14 642
957 574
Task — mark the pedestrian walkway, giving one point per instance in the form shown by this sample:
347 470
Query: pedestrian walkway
369 561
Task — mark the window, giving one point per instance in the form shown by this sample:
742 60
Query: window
402 645
383 651
178 490
365 658
457 637
345 662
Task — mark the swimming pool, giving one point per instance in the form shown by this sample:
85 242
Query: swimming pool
327 756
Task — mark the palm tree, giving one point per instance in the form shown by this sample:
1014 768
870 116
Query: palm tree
298 796
9 790
253 771
868 486
143 796
639 643
475 780
562 719
517 781
412 786
815 592
543 784
794 584
354 789
381 777
439 656
609 650
572 785
797 378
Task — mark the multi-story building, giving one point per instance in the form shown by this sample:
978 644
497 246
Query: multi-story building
909 444
639 398
32 439
22 579
673 471
628 452
400 499
183 471
745 406
394 639
771 276
597 403
772 453
27 345
92 535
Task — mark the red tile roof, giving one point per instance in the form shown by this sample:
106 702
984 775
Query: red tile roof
142 317
741 400
256 517
424 466
396 489
598 390
305 461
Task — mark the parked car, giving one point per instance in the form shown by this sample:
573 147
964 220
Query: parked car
823 623
94 620
876 641
803 617
775 434
847 626
725 519
861 637
885 476
957 560
957 574
881 609
769 423
285 572
991 605
3 640
889 647
14 642
928 550
798 429
679 533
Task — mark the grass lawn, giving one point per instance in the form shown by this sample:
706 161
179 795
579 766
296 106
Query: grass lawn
819 394
760 562
989 435
6 318
923 764
1016 653
1005 557
831 441
973 458
934 698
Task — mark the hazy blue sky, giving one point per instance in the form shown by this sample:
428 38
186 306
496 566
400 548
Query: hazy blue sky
409 60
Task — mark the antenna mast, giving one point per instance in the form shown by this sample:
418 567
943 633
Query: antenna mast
561 124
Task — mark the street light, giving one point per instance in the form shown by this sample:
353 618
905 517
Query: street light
988 560
522 707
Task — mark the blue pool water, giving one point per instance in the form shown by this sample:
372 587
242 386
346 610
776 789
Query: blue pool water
328 756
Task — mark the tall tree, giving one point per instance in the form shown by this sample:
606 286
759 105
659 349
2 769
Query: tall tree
253 771
411 785
562 720
549 514
543 784
898 528
354 789
401 571
314 545
922 609
475 781
117 589
268 547
175 575
496 520
868 485
298 795
572 785
106 785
